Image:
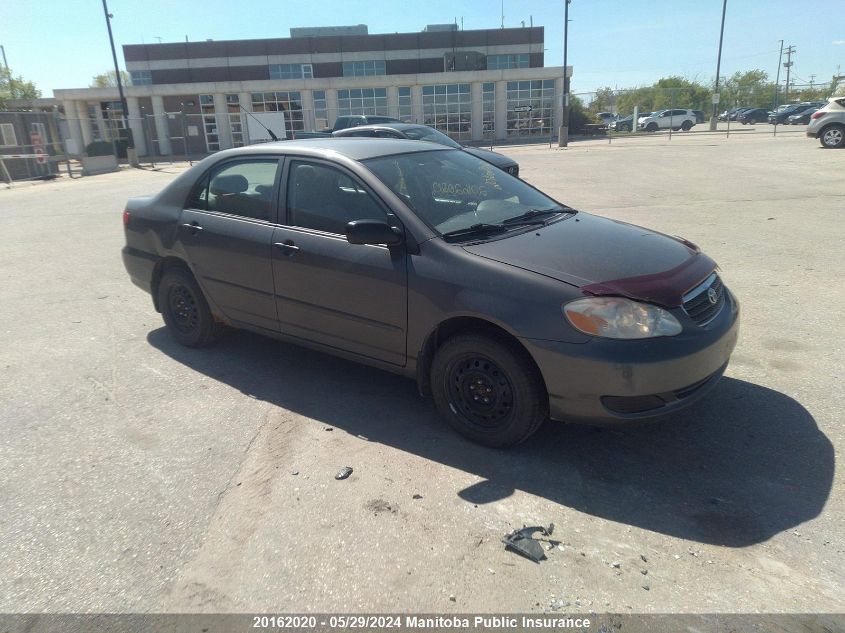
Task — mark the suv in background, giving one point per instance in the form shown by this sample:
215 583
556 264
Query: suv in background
752 116
828 124
665 119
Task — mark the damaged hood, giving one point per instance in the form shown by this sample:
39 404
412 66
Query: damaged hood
605 257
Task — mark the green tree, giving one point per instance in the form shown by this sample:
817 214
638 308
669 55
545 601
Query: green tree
751 88
604 101
108 79
12 87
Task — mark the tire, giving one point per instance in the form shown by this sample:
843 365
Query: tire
833 136
651 127
625 128
686 126
469 369
185 310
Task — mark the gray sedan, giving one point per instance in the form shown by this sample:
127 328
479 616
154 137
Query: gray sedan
505 305
415 132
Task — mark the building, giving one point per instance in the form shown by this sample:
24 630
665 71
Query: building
193 97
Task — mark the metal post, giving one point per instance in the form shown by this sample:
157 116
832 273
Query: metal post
5 63
777 78
563 130
718 68
130 143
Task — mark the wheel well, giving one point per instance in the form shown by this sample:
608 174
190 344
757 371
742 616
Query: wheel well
163 265
464 325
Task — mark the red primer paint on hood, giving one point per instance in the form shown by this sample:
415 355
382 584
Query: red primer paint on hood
666 288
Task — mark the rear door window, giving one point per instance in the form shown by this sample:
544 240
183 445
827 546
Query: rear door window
243 188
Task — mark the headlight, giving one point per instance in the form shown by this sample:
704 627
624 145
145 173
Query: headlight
616 317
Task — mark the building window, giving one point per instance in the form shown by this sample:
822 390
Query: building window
503 62
141 77
112 115
364 69
291 71
8 138
539 96
288 102
448 107
321 110
236 126
488 109
406 111
362 101
209 123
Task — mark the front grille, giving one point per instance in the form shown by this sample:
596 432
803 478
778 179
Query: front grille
698 304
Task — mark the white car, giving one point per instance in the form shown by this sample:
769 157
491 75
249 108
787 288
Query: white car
665 119
828 123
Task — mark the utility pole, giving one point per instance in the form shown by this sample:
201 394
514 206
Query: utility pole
130 144
715 114
788 66
777 78
563 130
5 63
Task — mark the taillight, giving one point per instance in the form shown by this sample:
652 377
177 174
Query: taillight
817 115
126 218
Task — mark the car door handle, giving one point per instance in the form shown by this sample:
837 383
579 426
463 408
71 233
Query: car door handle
287 247
193 226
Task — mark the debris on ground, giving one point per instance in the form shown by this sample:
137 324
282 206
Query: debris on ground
643 558
344 472
452 598
417 497
380 506
616 565
521 541
328 428
294 472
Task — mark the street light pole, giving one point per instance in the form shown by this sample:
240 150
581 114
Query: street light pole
718 69
563 130
130 144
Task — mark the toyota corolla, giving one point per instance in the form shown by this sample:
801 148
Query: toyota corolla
506 306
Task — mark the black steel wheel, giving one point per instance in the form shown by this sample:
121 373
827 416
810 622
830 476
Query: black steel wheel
489 391
185 310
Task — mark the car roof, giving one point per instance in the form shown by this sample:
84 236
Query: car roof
387 124
351 147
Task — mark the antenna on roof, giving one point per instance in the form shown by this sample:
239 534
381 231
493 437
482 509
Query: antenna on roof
255 118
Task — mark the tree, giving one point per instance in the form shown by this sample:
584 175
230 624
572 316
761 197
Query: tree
751 88
109 80
12 87
604 101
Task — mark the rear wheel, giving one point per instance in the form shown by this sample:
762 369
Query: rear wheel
686 126
487 390
185 310
832 136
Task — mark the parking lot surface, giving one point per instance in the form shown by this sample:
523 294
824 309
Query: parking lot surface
137 475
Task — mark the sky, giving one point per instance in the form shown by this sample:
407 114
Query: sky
615 43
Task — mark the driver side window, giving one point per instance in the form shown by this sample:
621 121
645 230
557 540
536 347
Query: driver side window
326 199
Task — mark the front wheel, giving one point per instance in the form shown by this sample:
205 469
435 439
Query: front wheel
185 310
832 136
488 391
651 127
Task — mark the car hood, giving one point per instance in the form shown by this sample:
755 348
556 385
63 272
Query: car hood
491 157
605 257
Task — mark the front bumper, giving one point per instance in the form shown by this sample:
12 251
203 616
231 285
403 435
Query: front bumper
609 381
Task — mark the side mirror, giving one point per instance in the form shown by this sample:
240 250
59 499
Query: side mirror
372 232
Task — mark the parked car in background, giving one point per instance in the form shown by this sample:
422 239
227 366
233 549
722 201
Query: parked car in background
506 306
606 117
665 119
753 115
779 116
828 124
625 124
344 122
802 118
727 114
425 133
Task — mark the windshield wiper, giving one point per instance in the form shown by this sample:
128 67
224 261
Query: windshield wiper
476 229
535 213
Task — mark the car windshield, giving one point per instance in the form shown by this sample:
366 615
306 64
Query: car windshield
454 191
423 133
